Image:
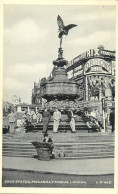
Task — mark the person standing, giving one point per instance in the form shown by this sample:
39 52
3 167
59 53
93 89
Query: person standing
32 113
57 118
108 116
34 116
12 120
71 120
25 119
29 117
46 118
39 117
112 120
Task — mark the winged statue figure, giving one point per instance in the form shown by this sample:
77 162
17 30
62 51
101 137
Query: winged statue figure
63 30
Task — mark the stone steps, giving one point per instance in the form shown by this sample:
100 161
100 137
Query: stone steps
31 135
87 147
69 146
61 137
79 124
69 156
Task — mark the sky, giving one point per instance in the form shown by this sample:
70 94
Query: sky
31 41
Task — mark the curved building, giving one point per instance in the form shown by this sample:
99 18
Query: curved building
94 71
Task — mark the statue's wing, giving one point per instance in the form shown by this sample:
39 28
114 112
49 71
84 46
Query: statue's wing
60 23
67 28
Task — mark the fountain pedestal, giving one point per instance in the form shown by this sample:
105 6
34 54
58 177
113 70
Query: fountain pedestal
60 92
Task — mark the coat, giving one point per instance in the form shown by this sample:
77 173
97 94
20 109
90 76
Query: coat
49 140
46 114
70 115
12 117
57 115
112 118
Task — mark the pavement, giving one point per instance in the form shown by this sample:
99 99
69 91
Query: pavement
102 166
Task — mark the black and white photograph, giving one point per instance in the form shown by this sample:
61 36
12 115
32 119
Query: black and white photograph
58 106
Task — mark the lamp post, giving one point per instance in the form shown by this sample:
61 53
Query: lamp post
103 114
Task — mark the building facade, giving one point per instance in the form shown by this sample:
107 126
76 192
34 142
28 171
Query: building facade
15 100
94 71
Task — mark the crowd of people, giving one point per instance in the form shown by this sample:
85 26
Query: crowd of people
32 116
56 120
36 117
95 123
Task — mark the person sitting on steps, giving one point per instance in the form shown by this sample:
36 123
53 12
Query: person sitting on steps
47 139
93 125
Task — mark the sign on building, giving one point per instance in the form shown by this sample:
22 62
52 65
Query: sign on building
97 65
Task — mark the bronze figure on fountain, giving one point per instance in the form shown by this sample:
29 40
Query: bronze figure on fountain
63 30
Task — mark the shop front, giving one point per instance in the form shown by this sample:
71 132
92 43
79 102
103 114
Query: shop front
94 71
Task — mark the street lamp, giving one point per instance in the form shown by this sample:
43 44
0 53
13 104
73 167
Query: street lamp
103 113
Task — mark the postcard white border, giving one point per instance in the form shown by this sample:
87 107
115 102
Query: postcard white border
59 190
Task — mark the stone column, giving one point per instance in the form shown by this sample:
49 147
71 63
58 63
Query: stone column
28 108
100 94
73 72
86 88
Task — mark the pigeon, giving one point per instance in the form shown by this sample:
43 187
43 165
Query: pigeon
63 30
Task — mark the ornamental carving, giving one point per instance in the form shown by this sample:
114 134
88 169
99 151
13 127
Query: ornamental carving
59 88
65 104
